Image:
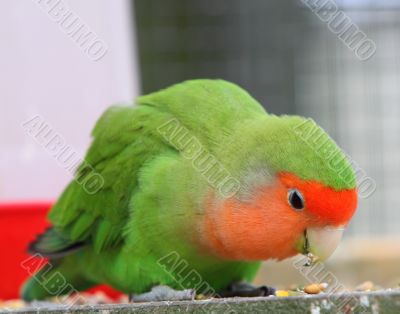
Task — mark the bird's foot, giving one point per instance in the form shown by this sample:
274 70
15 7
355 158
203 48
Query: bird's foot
163 293
244 289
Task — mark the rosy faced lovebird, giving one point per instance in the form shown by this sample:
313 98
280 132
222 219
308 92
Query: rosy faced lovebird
199 185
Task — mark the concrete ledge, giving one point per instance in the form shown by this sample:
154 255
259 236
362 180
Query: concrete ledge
363 302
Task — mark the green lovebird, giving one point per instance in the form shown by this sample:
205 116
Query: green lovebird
195 185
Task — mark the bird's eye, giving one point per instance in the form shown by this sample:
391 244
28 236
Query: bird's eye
296 199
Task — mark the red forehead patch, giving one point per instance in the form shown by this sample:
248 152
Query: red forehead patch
331 206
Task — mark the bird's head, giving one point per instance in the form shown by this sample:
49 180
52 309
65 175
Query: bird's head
297 192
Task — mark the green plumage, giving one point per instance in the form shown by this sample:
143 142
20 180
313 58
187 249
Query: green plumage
152 198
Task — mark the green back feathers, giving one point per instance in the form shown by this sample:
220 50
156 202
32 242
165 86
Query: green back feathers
208 108
234 127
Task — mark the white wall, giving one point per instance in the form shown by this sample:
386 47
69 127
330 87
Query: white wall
43 72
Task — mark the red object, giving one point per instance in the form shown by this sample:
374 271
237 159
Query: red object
19 224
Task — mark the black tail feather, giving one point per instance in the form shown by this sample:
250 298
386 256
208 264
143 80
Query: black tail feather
52 244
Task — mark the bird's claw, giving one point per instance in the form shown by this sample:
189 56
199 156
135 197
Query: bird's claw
244 289
163 293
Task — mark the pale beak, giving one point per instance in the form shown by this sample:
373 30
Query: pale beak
321 242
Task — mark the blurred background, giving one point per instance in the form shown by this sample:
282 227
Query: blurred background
279 50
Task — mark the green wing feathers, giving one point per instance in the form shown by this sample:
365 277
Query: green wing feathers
122 143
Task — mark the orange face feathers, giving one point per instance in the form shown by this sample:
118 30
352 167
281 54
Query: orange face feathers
268 226
329 206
